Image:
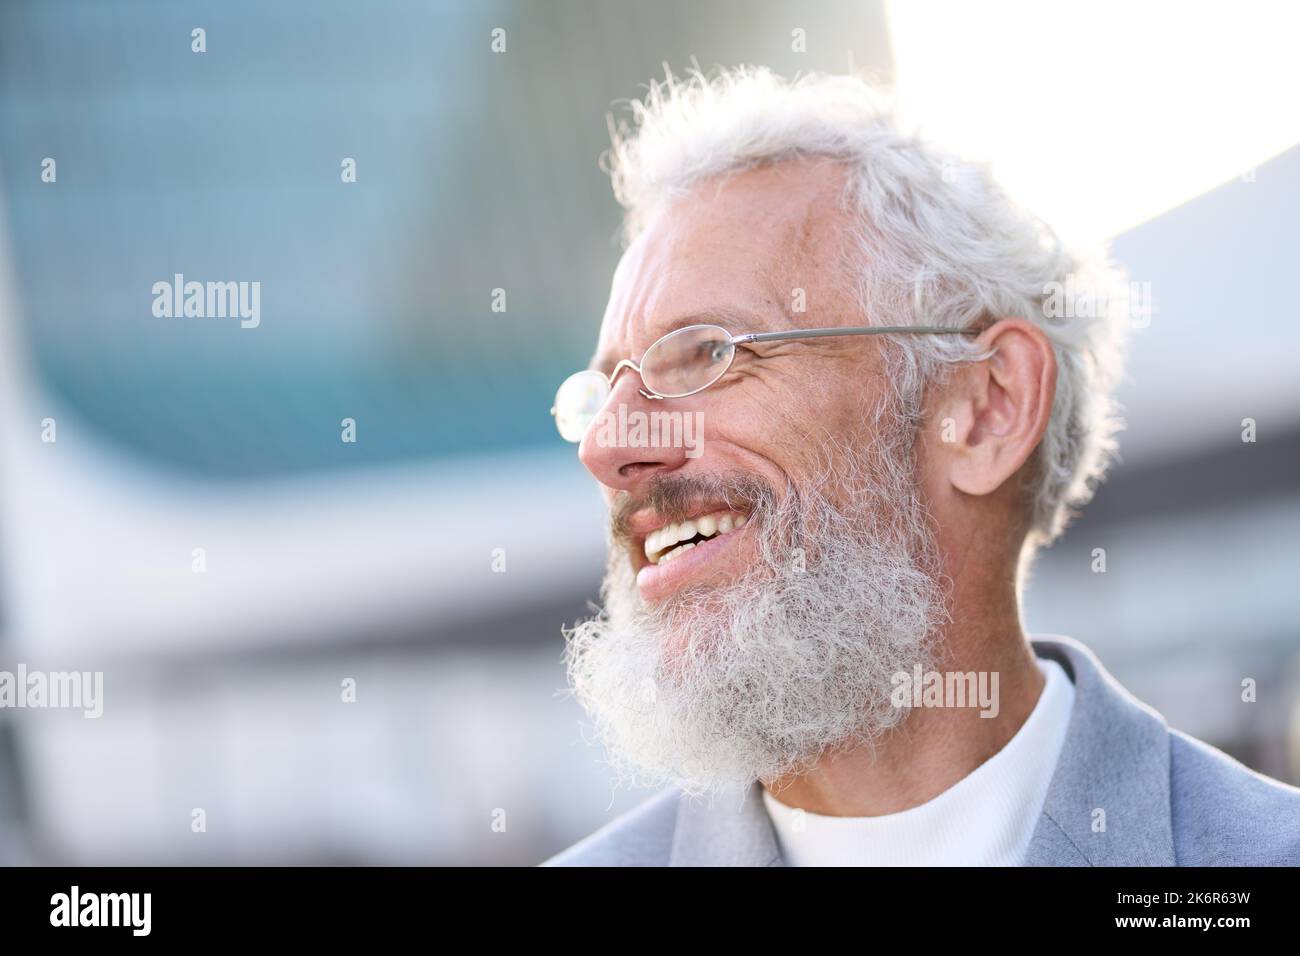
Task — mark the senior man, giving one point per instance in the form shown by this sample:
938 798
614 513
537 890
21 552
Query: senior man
811 625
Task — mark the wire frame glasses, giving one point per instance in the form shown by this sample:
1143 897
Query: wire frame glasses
684 362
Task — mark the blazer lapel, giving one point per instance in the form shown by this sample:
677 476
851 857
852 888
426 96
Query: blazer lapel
731 829
1108 802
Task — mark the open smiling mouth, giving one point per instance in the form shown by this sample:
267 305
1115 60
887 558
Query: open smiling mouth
675 539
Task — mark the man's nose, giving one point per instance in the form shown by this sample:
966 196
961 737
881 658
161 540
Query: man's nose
606 450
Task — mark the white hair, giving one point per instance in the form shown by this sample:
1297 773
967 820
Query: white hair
937 243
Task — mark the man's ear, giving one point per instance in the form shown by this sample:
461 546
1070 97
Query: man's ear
999 407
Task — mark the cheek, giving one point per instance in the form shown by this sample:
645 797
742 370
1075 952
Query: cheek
773 405
746 419
778 424
776 441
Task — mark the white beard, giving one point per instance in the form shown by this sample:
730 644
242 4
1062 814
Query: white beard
720 686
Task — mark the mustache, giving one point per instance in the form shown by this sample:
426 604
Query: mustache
675 497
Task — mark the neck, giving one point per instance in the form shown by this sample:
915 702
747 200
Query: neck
934 747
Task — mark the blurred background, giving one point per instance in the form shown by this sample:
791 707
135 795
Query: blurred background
200 532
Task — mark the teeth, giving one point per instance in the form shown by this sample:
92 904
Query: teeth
659 545
681 549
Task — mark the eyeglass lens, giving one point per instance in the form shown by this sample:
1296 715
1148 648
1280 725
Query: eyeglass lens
679 364
687 360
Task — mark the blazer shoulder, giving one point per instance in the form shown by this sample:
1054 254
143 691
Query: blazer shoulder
1225 814
643 836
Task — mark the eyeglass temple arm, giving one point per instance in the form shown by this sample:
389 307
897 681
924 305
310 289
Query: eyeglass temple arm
850 330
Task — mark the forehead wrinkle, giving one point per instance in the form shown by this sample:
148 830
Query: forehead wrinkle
631 303
810 233
802 230
814 256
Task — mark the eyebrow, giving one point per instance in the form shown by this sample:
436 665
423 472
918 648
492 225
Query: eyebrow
734 320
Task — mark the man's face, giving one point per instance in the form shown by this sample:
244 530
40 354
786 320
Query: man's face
756 651
745 254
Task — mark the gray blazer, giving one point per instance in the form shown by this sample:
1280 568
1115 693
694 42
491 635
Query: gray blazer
1169 800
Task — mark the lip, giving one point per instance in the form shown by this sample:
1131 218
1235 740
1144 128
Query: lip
658 581
645 521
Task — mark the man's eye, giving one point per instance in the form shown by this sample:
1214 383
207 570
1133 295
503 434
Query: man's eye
710 352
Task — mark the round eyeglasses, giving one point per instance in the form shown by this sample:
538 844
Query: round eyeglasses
682 363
